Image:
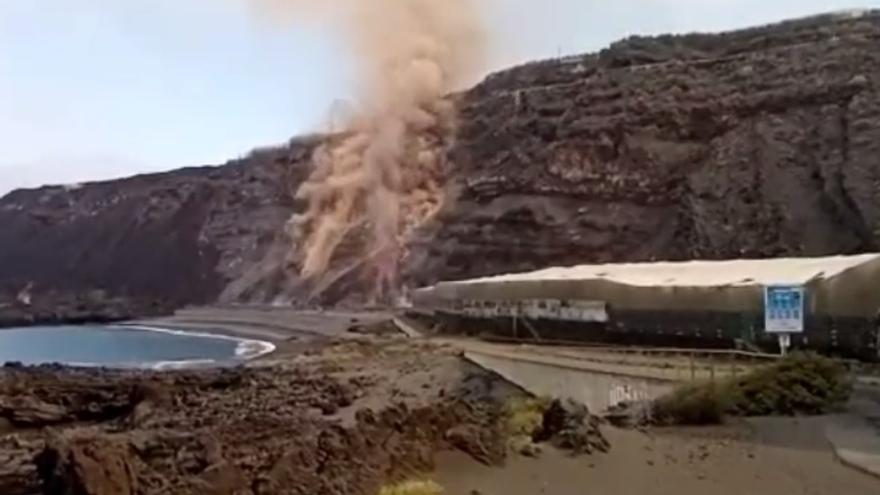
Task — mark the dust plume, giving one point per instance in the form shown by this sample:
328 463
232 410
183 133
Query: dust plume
384 174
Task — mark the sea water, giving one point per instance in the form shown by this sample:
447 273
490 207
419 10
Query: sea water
125 347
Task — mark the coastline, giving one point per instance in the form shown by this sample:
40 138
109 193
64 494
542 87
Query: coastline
246 349
260 334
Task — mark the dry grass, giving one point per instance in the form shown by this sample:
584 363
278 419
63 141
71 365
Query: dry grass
523 418
525 415
413 488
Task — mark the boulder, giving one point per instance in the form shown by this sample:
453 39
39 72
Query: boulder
569 425
86 466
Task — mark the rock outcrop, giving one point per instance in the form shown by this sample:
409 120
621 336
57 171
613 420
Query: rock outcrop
755 143
262 430
89 465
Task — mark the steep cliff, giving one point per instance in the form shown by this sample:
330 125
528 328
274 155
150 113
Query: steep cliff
754 143
145 244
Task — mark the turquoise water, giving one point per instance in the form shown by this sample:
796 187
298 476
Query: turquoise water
123 347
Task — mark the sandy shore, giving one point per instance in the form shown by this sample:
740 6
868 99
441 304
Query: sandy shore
772 456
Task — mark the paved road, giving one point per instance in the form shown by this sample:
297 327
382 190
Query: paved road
856 434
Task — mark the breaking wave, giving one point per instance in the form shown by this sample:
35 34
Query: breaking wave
245 349
127 347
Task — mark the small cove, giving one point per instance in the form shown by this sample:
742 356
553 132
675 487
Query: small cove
119 346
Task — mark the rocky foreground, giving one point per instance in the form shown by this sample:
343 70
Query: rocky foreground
754 143
344 420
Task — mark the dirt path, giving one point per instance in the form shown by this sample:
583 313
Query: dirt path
766 456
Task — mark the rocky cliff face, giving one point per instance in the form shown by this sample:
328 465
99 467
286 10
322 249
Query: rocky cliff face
755 143
141 245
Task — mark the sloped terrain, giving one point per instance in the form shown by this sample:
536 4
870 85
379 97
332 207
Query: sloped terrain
145 244
755 143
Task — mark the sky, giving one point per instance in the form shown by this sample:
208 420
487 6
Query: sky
97 89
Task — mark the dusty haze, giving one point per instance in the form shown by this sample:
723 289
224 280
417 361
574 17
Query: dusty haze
384 175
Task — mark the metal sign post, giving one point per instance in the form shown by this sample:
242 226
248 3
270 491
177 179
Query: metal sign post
784 343
784 312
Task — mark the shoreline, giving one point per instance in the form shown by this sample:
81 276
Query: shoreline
262 334
246 350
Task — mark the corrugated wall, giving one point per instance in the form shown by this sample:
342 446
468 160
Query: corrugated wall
854 293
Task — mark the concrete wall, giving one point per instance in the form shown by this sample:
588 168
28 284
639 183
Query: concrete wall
596 390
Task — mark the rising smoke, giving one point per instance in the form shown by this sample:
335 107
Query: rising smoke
384 175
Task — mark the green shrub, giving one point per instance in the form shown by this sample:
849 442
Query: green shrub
802 383
692 404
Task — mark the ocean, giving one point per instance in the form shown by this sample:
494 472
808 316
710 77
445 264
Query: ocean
125 347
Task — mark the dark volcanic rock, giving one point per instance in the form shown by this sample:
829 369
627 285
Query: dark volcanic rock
570 426
753 143
231 431
30 411
88 466
143 245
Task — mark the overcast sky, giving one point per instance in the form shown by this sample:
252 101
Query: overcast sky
94 89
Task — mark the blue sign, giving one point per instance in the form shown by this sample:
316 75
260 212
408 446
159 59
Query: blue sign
784 309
